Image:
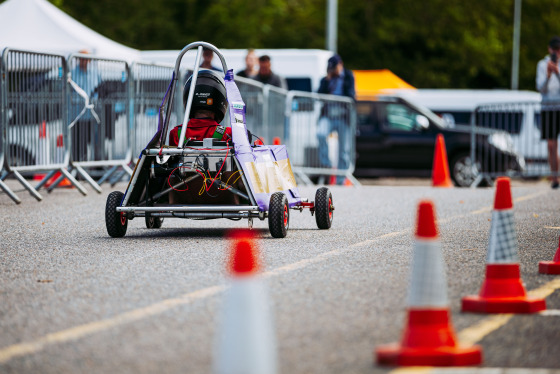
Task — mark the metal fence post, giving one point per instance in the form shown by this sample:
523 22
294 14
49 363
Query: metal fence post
3 121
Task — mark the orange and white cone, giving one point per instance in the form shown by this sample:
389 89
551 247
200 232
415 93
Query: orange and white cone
245 339
502 290
440 167
551 267
428 338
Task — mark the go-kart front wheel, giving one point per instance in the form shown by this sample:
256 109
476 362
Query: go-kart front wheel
116 222
278 215
153 222
324 208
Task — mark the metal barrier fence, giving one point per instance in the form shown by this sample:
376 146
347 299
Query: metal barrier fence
150 81
252 93
98 115
274 110
311 123
525 123
93 114
34 112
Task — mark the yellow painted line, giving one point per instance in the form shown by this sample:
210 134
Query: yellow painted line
476 333
552 227
412 370
531 196
546 289
81 331
84 330
482 210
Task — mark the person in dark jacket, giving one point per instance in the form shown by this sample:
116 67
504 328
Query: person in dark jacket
335 116
266 75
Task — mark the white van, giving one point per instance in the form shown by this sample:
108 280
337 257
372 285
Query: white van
302 68
462 103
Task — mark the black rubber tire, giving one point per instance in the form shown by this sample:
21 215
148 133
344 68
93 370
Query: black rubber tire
324 208
153 222
462 171
278 215
115 222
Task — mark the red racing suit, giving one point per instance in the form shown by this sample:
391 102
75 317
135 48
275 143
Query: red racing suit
198 129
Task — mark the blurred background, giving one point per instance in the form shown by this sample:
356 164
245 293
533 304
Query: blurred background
430 44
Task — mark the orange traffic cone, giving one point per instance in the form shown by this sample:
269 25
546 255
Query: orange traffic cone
502 290
428 338
276 141
440 168
551 267
245 341
348 183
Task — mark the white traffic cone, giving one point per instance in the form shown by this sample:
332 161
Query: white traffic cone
245 339
502 290
428 338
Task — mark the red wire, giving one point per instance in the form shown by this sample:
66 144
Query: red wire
203 176
221 167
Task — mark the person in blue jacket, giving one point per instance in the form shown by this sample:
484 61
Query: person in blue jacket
334 116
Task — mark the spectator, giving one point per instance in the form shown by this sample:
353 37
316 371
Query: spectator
207 56
250 70
334 116
266 75
548 84
84 131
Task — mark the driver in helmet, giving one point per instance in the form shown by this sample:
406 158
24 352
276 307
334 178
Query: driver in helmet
209 106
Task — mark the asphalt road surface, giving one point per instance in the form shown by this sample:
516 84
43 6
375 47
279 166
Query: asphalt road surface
74 300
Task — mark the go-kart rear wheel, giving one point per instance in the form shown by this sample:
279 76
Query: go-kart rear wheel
323 208
116 222
153 222
278 215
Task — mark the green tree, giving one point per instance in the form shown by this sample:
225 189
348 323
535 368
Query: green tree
435 43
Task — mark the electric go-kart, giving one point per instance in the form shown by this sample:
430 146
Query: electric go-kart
259 183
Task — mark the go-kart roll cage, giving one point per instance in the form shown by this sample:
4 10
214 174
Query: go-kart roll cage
242 147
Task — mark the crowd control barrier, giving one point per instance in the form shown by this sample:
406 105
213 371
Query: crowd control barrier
321 135
98 116
149 84
3 173
89 117
252 93
274 109
525 123
34 117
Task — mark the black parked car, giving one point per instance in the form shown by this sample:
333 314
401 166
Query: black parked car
397 138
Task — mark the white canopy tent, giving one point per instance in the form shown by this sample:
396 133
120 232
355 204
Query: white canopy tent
37 25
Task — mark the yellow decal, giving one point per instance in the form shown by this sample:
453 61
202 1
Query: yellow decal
271 176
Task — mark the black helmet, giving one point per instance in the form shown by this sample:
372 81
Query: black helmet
209 94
